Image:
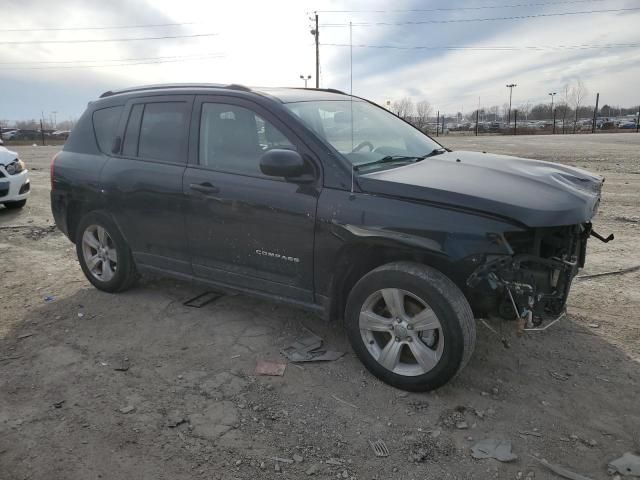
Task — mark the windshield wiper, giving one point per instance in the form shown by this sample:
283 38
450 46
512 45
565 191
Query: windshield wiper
387 159
436 151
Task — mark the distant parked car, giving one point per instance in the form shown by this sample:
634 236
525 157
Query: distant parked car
627 124
61 134
10 134
14 180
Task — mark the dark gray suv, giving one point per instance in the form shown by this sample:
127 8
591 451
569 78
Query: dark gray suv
325 201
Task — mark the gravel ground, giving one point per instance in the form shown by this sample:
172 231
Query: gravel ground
137 385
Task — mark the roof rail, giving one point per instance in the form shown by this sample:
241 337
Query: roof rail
163 86
330 90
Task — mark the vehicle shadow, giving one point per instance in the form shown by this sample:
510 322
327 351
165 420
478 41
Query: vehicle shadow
71 367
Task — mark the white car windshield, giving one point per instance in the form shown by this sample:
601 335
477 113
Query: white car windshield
366 135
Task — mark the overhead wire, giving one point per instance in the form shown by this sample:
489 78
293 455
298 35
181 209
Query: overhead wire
489 19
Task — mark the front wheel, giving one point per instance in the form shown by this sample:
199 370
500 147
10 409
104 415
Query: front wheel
410 325
103 253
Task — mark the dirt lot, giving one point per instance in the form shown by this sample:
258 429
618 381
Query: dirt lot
189 406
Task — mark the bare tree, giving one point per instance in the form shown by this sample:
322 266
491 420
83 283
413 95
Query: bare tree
494 110
402 108
525 108
577 95
564 104
423 112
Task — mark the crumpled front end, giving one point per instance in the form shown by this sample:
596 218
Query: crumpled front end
532 283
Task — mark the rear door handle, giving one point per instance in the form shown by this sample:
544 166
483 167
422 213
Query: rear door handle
205 187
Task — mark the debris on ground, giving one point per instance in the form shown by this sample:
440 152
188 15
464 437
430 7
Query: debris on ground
123 365
297 458
621 271
25 335
58 404
282 460
48 299
127 409
431 449
493 448
379 448
627 464
558 376
313 469
309 349
270 368
203 299
561 471
530 433
335 397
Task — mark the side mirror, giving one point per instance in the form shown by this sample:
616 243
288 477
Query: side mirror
282 163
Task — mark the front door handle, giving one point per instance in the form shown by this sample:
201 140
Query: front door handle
205 187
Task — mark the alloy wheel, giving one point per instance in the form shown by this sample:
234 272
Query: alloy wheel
401 332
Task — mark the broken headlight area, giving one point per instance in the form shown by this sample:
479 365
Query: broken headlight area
532 283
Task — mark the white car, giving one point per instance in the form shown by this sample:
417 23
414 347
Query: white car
14 180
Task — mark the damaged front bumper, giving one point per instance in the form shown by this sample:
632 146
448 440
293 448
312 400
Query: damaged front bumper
532 282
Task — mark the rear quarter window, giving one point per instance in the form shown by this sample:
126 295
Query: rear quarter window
105 123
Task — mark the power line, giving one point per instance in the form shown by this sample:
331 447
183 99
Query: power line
127 64
110 60
489 48
450 9
112 27
103 40
467 20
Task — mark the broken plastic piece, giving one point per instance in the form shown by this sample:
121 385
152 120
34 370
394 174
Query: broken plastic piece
270 368
493 448
309 349
379 448
627 464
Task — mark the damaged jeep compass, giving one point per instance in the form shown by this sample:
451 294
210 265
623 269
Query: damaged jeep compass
328 202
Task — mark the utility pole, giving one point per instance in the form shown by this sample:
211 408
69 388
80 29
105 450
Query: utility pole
55 120
553 113
515 121
477 112
595 112
316 34
510 87
437 122
638 120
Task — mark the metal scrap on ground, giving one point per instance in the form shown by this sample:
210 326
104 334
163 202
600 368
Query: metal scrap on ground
379 448
493 448
309 349
627 464
270 368
203 299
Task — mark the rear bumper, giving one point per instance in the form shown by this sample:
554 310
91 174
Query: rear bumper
14 188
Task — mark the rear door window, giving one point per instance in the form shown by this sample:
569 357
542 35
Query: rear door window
162 131
105 123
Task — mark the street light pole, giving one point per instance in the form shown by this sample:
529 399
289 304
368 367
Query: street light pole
306 79
553 94
510 87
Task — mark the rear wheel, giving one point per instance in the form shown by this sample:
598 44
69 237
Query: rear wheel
103 253
15 205
410 325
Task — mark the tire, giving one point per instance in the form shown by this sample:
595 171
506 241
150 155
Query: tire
15 205
99 239
435 322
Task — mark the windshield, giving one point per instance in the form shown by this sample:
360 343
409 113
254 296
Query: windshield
374 138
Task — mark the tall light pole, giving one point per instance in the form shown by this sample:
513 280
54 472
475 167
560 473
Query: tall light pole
552 94
306 79
510 87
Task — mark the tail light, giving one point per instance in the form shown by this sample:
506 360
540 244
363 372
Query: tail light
52 168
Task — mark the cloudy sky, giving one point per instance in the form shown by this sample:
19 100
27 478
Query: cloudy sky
68 62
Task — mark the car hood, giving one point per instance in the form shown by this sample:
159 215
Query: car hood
532 192
7 156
